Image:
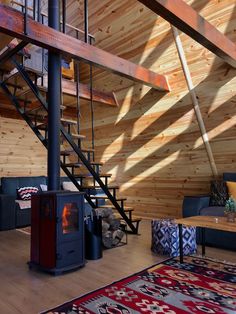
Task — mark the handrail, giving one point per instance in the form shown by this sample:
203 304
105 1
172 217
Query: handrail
45 15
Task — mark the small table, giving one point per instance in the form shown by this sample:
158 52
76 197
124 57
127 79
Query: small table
203 222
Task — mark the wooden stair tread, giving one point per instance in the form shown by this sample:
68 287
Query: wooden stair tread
69 152
79 164
110 187
33 71
41 108
108 175
78 136
95 197
68 121
125 208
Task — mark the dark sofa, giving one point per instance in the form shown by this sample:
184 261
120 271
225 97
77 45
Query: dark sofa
200 205
11 216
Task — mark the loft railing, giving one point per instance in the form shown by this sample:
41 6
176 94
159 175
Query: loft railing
37 14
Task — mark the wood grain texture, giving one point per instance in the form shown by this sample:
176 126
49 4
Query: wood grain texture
24 291
11 23
21 154
218 223
151 143
185 18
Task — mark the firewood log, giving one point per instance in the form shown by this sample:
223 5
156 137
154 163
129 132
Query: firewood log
117 236
107 239
114 223
105 227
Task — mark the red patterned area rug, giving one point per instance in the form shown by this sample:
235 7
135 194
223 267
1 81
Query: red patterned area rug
196 286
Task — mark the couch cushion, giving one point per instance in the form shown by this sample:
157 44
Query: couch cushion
11 184
212 211
229 176
219 193
231 189
26 192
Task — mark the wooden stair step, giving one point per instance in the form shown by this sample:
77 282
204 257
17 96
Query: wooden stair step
79 164
74 136
101 175
40 108
70 152
105 197
125 209
33 71
68 121
78 136
95 187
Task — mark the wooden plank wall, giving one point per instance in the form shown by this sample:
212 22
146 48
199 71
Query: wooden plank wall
21 154
151 143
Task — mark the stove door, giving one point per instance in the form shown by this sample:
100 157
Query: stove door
70 217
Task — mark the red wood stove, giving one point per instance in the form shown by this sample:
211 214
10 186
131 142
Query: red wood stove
57 231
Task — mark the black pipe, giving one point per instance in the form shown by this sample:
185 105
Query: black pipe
86 21
64 16
34 9
39 10
54 102
26 18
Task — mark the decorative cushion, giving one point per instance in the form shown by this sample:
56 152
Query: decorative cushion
24 204
25 193
219 193
231 188
43 187
69 186
165 238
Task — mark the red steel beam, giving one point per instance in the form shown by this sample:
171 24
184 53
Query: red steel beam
185 18
12 23
69 87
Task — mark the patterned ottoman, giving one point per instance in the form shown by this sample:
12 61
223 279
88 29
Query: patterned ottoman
165 238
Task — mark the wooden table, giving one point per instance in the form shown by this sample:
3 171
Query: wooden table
212 222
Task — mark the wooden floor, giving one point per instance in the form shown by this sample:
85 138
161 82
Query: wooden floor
29 292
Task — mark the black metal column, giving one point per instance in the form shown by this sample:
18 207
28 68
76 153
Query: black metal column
54 102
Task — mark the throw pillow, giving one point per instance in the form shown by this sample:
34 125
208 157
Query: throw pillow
43 187
231 188
219 194
69 186
25 193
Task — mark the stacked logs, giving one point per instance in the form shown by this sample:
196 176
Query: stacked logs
111 228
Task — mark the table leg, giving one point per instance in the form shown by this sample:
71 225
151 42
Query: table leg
181 255
203 242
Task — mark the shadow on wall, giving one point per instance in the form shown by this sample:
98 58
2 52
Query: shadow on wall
156 167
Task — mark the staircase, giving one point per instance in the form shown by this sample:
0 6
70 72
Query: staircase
26 91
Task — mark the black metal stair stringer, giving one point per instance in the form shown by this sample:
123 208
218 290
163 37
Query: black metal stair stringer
43 140
78 151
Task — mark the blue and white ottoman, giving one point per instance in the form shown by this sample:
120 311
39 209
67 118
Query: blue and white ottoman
165 238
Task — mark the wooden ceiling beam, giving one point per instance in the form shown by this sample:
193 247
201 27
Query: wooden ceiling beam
186 19
12 23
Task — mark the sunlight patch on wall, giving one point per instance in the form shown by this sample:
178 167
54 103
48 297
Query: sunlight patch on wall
115 147
224 126
222 94
123 112
165 136
150 171
156 112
